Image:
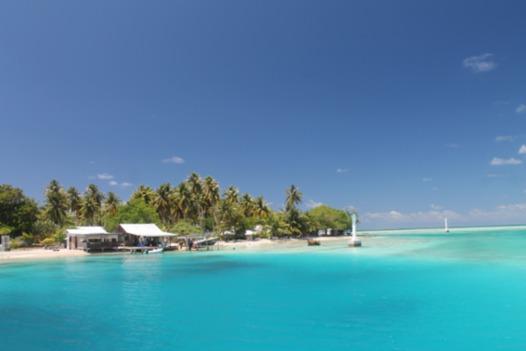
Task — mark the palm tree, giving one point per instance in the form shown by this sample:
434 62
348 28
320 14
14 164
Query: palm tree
293 218
178 211
231 195
211 194
227 217
91 205
261 208
144 193
163 202
186 202
56 203
196 190
74 202
294 198
111 205
247 205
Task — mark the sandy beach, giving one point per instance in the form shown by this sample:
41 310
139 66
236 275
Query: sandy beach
19 255
37 254
271 245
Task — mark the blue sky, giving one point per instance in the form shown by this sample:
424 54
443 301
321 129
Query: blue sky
407 111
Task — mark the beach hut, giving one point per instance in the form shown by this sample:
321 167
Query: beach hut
251 234
147 234
90 238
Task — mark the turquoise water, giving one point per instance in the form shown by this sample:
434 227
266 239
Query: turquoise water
461 291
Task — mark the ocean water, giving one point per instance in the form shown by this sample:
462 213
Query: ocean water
402 291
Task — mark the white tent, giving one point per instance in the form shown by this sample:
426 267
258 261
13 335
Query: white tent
148 230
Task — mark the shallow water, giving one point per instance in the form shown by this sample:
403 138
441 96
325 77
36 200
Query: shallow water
429 291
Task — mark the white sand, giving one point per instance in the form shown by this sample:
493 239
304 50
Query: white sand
269 245
20 255
37 254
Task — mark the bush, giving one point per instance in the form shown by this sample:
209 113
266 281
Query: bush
56 238
43 229
5 230
184 228
27 238
17 243
48 241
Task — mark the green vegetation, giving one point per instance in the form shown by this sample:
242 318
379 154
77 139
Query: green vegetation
323 217
194 205
17 212
135 211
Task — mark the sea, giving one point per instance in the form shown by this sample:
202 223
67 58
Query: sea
420 289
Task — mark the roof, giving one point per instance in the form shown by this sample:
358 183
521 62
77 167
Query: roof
146 230
92 230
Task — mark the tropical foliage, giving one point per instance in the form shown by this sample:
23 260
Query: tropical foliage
324 217
135 211
18 213
194 205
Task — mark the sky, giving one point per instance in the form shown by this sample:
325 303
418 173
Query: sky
406 111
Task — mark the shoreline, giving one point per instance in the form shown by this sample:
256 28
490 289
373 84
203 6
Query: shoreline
32 254
261 245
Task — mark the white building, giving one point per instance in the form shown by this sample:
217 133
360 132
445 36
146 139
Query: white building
92 238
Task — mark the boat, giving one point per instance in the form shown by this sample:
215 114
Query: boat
313 242
155 251
446 227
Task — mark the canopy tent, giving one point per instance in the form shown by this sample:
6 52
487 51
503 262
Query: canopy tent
147 234
148 230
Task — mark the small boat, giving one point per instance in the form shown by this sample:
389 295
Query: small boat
155 251
446 227
313 242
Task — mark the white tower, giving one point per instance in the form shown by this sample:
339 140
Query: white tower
354 240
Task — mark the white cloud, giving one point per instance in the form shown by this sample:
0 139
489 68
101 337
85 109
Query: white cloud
313 204
496 161
427 179
113 183
521 108
104 176
502 214
503 138
522 149
174 159
493 175
397 218
435 207
126 184
480 63
342 170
